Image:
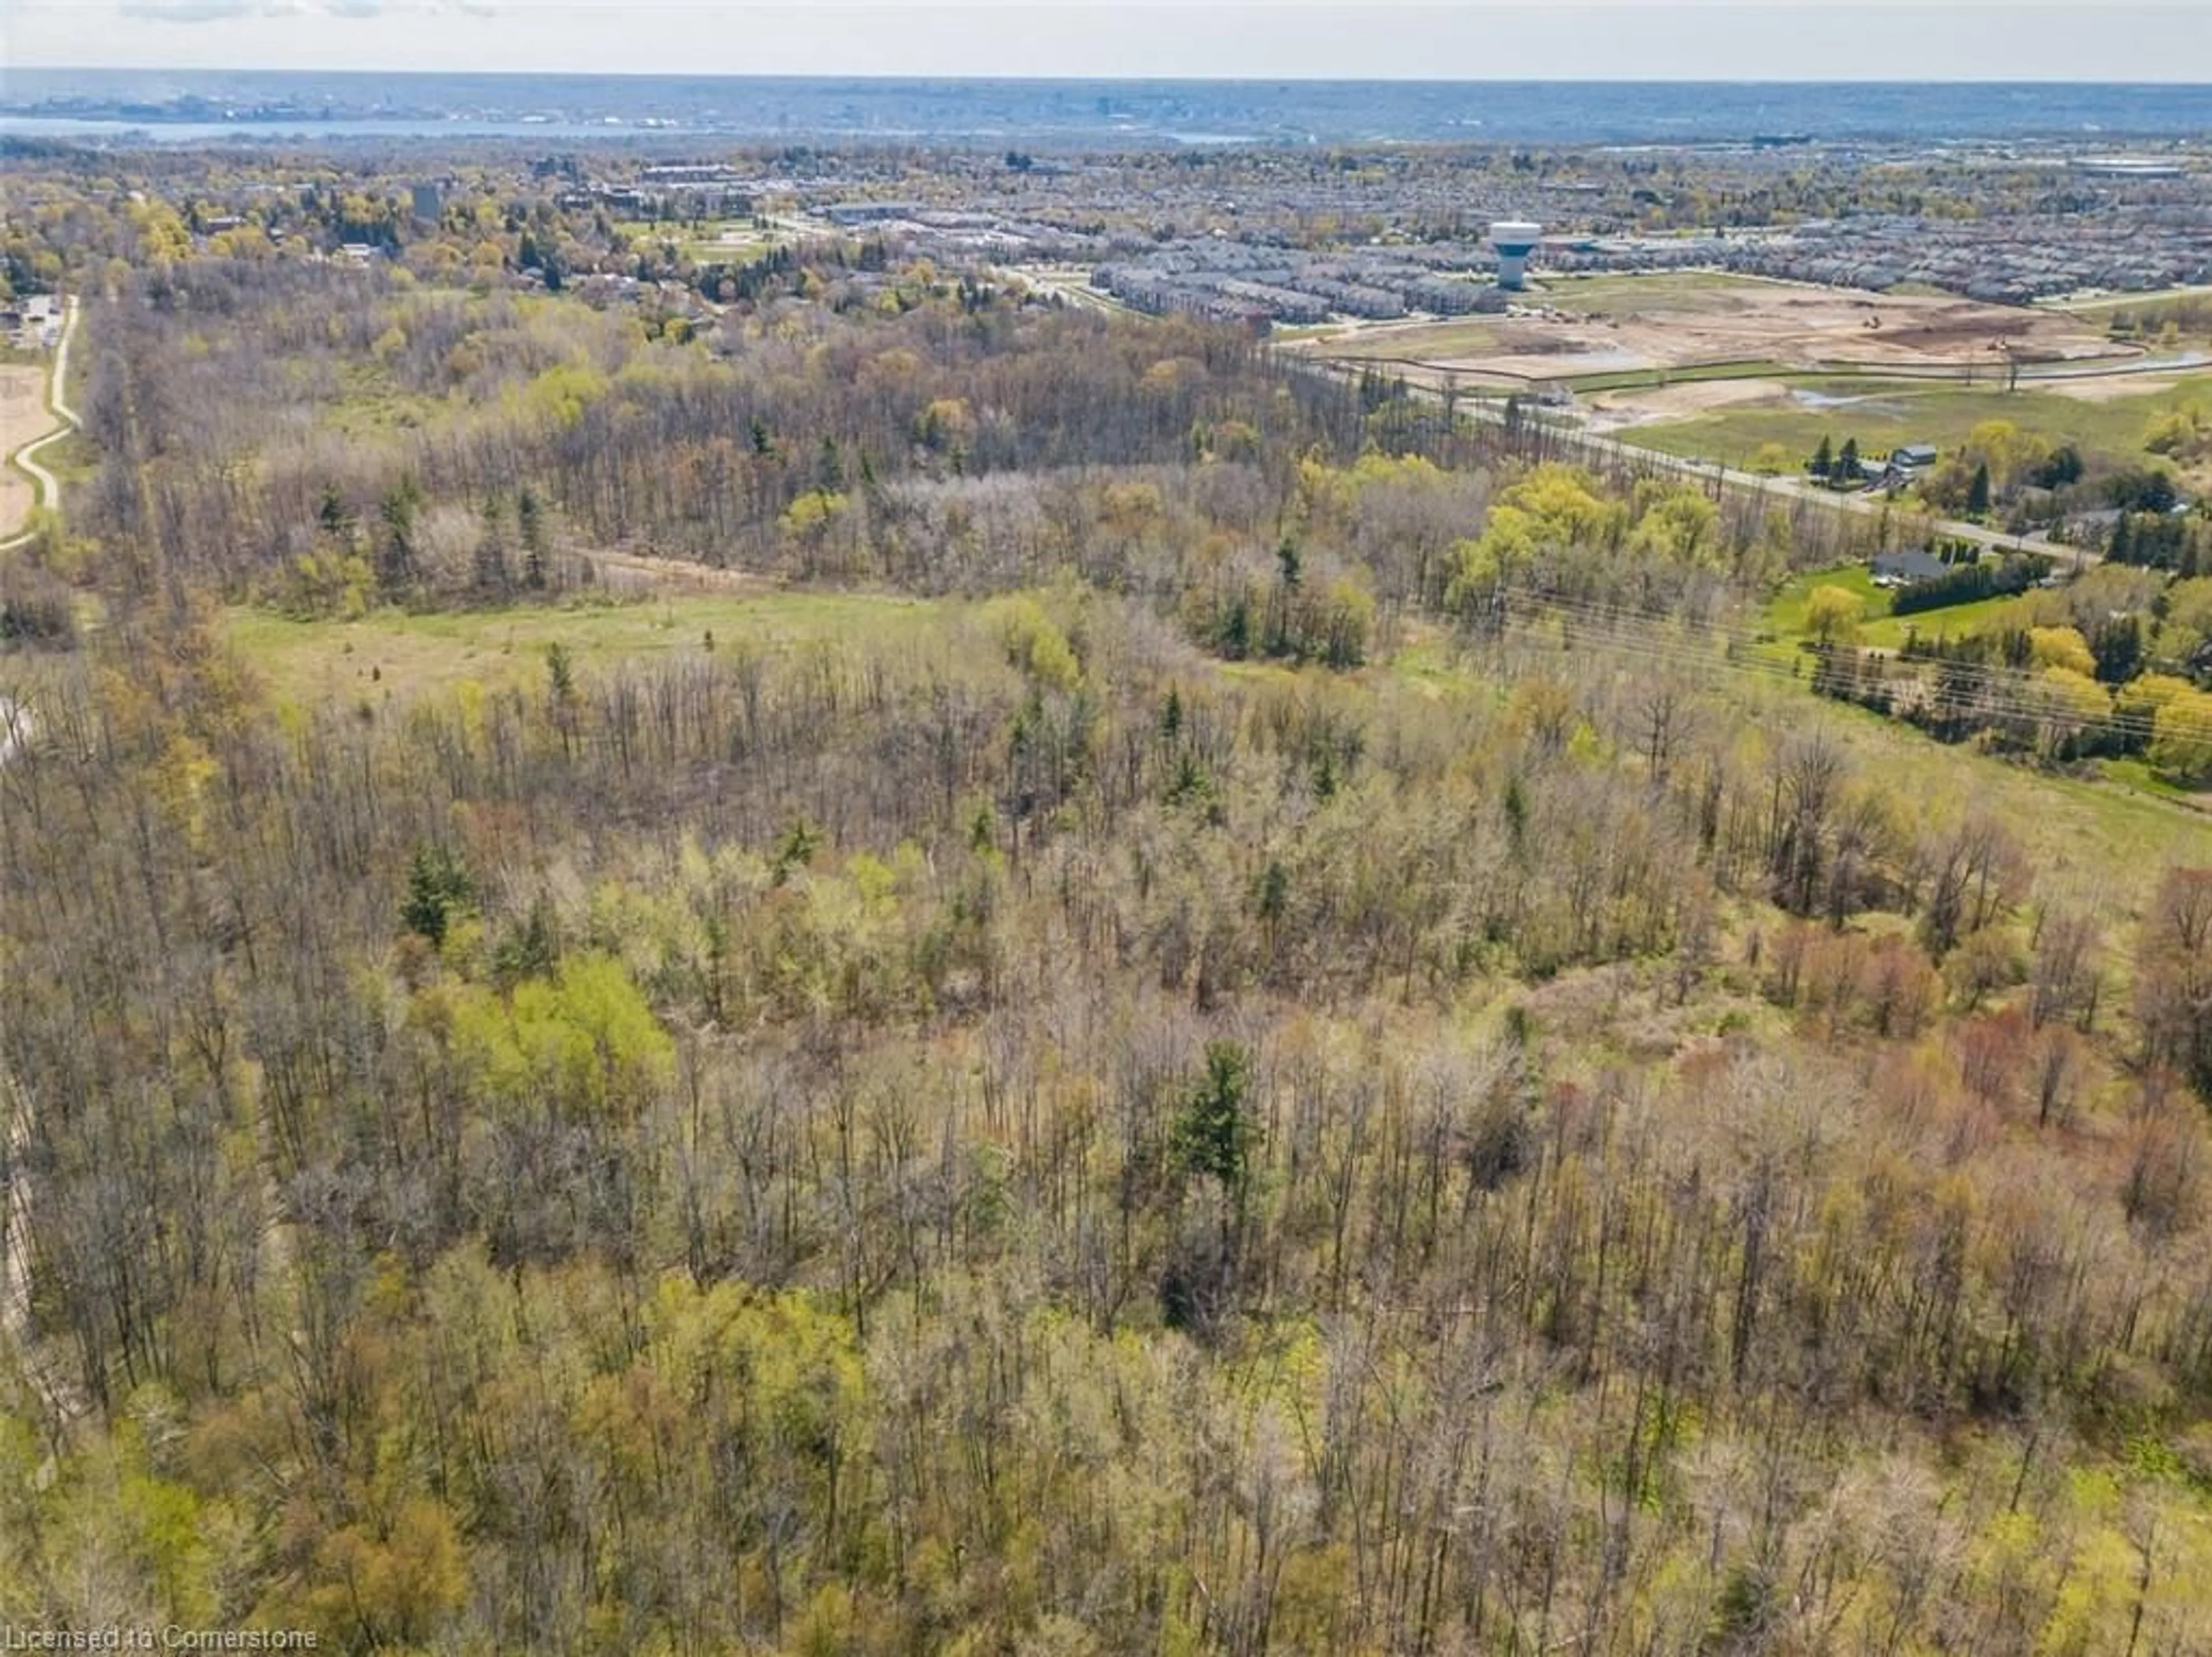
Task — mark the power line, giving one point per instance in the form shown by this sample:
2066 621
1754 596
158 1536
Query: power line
1996 693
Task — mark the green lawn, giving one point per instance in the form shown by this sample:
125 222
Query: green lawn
1869 384
392 655
714 251
704 247
1954 621
1785 616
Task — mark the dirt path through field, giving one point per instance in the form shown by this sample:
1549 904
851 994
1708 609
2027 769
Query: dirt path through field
631 572
1612 410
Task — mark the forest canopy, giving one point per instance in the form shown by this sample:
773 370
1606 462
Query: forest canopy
1151 1001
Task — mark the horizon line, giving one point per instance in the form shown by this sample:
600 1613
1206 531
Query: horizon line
1229 78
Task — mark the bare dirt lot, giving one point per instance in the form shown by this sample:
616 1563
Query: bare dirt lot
23 415
1616 325
1611 408
2109 388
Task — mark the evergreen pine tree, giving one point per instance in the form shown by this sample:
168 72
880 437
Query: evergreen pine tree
1978 492
530 523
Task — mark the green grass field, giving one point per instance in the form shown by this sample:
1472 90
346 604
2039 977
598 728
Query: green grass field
713 250
705 246
2094 827
1430 342
1943 415
2137 775
1684 291
1645 379
1856 386
392 657
369 403
1888 631
1784 614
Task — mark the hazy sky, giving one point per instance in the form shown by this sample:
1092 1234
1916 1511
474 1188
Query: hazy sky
1782 40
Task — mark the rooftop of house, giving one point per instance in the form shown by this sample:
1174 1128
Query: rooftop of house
1892 569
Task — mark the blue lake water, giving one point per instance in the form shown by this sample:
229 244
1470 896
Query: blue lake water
205 107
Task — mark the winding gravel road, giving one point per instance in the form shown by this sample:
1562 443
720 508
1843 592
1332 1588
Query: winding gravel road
49 486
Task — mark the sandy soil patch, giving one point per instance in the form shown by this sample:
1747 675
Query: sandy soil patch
1563 364
23 415
1799 327
2107 388
1634 407
630 573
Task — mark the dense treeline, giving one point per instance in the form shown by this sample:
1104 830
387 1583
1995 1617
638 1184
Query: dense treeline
1015 1139
780 448
1968 582
329 438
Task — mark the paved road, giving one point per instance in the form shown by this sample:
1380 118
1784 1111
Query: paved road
1714 471
1799 489
49 486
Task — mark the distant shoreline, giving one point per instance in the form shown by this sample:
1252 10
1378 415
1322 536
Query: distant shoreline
199 106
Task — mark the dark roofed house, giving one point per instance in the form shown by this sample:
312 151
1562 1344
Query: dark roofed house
1915 455
847 213
1903 569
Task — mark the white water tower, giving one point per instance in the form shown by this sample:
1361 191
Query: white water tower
1514 240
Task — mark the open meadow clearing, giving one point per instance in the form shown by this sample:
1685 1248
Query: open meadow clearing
390 658
2112 425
